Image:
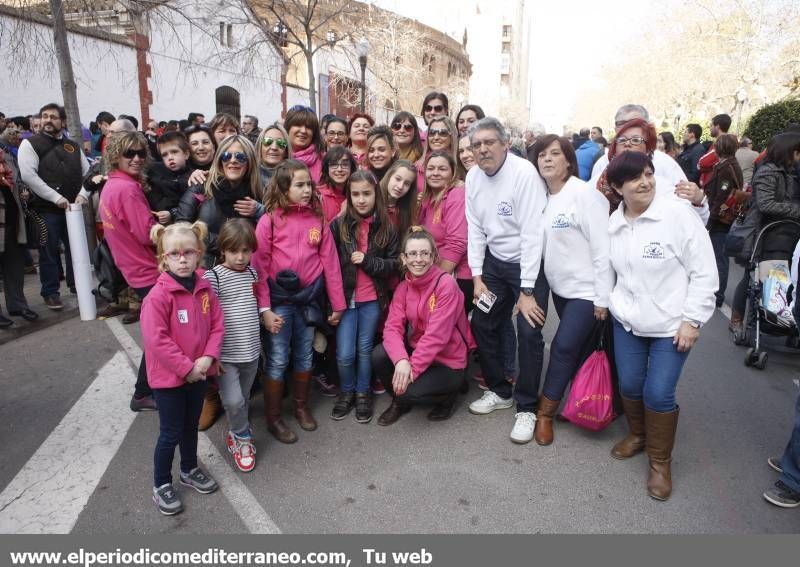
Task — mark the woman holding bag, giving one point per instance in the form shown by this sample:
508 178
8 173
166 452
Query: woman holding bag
664 294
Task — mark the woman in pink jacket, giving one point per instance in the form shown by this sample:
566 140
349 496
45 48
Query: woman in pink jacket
442 213
297 257
127 221
427 365
305 139
182 327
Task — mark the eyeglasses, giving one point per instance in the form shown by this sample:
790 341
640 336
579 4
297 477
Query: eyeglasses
335 135
240 157
407 127
441 132
130 154
476 146
632 141
175 255
431 108
340 165
422 254
280 142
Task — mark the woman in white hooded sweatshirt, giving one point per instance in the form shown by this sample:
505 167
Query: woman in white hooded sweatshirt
576 265
664 293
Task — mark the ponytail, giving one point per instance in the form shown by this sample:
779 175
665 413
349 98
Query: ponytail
159 233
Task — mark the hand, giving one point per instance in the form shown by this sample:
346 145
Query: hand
195 375
530 310
357 258
272 322
246 207
478 288
198 177
81 200
163 217
334 318
204 363
600 313
686 336
690 191
402 377
62 203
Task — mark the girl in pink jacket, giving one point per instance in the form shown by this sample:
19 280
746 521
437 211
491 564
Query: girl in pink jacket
297 257
428 365
182 327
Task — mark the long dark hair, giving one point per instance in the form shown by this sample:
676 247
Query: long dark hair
407 204
351 216
335 155
278 190
416 150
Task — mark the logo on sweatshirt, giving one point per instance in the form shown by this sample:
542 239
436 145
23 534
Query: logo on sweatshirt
437 216
432 302
314 236
504 209
653 251
560 221
205 303
183 316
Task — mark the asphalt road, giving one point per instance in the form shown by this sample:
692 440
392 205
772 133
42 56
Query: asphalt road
459 476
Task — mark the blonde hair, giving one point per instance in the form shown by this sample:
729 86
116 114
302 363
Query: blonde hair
260 142
121 142
216 173
159 233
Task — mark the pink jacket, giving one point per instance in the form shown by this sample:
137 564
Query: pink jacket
332 200
313 160
179 327
448 224
126 224
433 306
297 239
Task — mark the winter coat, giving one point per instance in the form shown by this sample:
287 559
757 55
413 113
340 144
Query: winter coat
726 178
688 160
166 187
777 196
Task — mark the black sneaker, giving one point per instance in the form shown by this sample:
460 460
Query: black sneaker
363 407
783 496
344 404
53 302
199 480
167 501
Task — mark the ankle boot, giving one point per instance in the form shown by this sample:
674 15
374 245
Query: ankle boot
543 430
635 440
212 407
660 436
394 412
273 395
737 321
300 390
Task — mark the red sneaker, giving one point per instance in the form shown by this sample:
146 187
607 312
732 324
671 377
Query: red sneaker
244 452
377 387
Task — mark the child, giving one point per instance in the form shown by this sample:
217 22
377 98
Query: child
367 245
297 256
182 326
242 297
168 179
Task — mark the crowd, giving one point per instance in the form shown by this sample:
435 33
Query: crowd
371 257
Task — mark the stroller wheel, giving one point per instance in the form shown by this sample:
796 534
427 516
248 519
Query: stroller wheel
751 357
761 362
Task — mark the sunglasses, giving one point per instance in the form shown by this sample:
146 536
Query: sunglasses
240 157
130 154
441 132
407 127
280 142
431 108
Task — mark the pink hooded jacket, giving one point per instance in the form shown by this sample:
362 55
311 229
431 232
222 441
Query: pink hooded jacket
179 327
433 306
447 223
332 200
126 224
297 239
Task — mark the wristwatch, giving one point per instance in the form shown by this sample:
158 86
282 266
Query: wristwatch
527 291
693 323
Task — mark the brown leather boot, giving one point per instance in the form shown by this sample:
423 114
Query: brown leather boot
300 389
543 430
737 321
212 408
633 443
394 412
660 435
273 395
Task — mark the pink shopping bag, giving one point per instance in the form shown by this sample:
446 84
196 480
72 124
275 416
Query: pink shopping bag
589 404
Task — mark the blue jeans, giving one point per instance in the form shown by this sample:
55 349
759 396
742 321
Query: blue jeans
723 263
790 462
356 335
576 324
178 414
49 255
295 334
648 368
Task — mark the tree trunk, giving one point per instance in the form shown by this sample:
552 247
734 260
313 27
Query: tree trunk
312 80
68 88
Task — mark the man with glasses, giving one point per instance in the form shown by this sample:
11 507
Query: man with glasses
505 204
53 167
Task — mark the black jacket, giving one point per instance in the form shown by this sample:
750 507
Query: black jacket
725 180
688 159
379 262
777 196
166 187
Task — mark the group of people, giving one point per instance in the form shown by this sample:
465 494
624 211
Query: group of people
398 251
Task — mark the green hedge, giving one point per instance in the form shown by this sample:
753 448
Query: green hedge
770 120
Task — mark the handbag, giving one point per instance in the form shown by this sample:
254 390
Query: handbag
741 237
35 228
590 400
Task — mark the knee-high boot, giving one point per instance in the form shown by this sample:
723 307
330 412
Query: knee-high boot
300 390
660 439
635 440
273 396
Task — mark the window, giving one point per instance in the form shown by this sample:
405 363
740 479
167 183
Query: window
431 63
506 33
424 59
230 35
222 33
506 47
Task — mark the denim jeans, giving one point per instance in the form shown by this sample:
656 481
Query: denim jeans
234 389
355 335
178 413
723 263
49 255
790 462
576 322
294 335
648 368
503 279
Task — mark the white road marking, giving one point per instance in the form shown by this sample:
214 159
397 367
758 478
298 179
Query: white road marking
725 310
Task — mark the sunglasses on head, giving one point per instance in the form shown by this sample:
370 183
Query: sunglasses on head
431 108
130 154
396 126
280 142
441 132
240 157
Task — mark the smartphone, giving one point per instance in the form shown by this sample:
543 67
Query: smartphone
486 301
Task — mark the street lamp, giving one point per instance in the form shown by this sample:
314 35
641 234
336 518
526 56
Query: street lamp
362 49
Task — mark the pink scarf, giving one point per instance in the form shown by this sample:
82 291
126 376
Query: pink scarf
313 160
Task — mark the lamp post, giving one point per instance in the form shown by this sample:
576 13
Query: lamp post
362 49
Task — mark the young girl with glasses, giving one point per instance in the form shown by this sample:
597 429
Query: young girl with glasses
337 165
182 328
297 257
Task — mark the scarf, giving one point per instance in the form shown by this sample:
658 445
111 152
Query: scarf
226 195
311 157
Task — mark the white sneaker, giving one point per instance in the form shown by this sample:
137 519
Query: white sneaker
523 428
490 402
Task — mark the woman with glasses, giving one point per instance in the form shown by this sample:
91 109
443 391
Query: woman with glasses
358 131
467 116
407 136
434 105
272 148
337 166
381 151
305 139
336 133
442 136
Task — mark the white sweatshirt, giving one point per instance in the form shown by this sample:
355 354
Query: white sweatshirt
504 213
665 267
576 243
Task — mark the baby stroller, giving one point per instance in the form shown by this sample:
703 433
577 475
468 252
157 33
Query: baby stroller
758 318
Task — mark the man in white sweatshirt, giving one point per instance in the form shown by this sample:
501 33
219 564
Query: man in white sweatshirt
505 204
